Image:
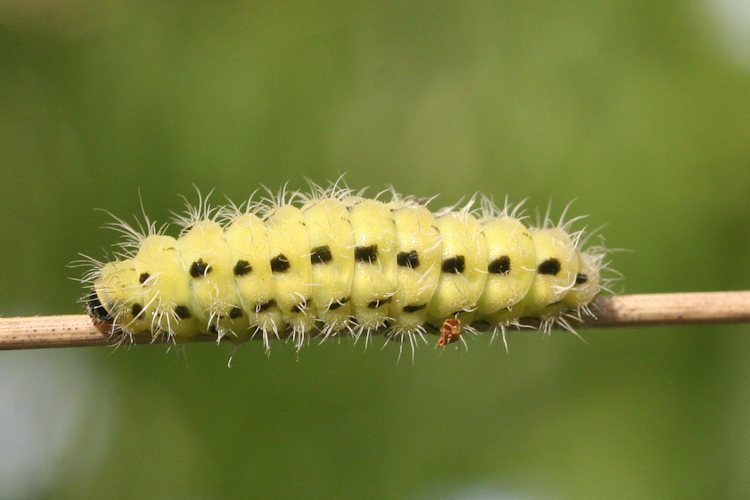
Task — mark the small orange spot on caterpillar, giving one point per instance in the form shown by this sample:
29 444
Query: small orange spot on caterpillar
450 332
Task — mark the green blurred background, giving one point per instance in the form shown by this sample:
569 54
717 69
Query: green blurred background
639 110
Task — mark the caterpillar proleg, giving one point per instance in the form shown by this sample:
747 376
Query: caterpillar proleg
333 262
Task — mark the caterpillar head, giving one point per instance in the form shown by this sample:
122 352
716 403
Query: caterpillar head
117 299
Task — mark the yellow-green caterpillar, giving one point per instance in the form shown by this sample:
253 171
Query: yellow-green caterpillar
334 262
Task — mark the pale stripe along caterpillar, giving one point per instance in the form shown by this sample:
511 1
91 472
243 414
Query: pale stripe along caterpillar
333 262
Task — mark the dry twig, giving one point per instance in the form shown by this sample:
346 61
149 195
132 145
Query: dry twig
619 310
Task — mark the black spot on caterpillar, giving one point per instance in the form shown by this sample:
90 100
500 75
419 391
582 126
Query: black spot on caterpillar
501 265
454 265
136 310
415 308
408 259
280 263
367 254
550 266
336 263
321 255
337 304
182 312
198 269
265 306
242 267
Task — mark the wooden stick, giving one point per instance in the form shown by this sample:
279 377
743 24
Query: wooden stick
671 309
619 310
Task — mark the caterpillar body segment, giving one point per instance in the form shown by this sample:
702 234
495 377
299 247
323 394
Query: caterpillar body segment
247 238
418 259
334 262
510 258
556 270
331 243
463 270
290 269
205 248
166 285
374 280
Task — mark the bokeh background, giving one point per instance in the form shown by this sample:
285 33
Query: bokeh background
639 110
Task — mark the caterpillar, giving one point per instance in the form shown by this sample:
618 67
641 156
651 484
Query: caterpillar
332 262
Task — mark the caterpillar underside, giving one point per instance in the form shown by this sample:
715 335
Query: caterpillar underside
336 263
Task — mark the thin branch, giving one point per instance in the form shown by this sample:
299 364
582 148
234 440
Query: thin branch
619 310
671 309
